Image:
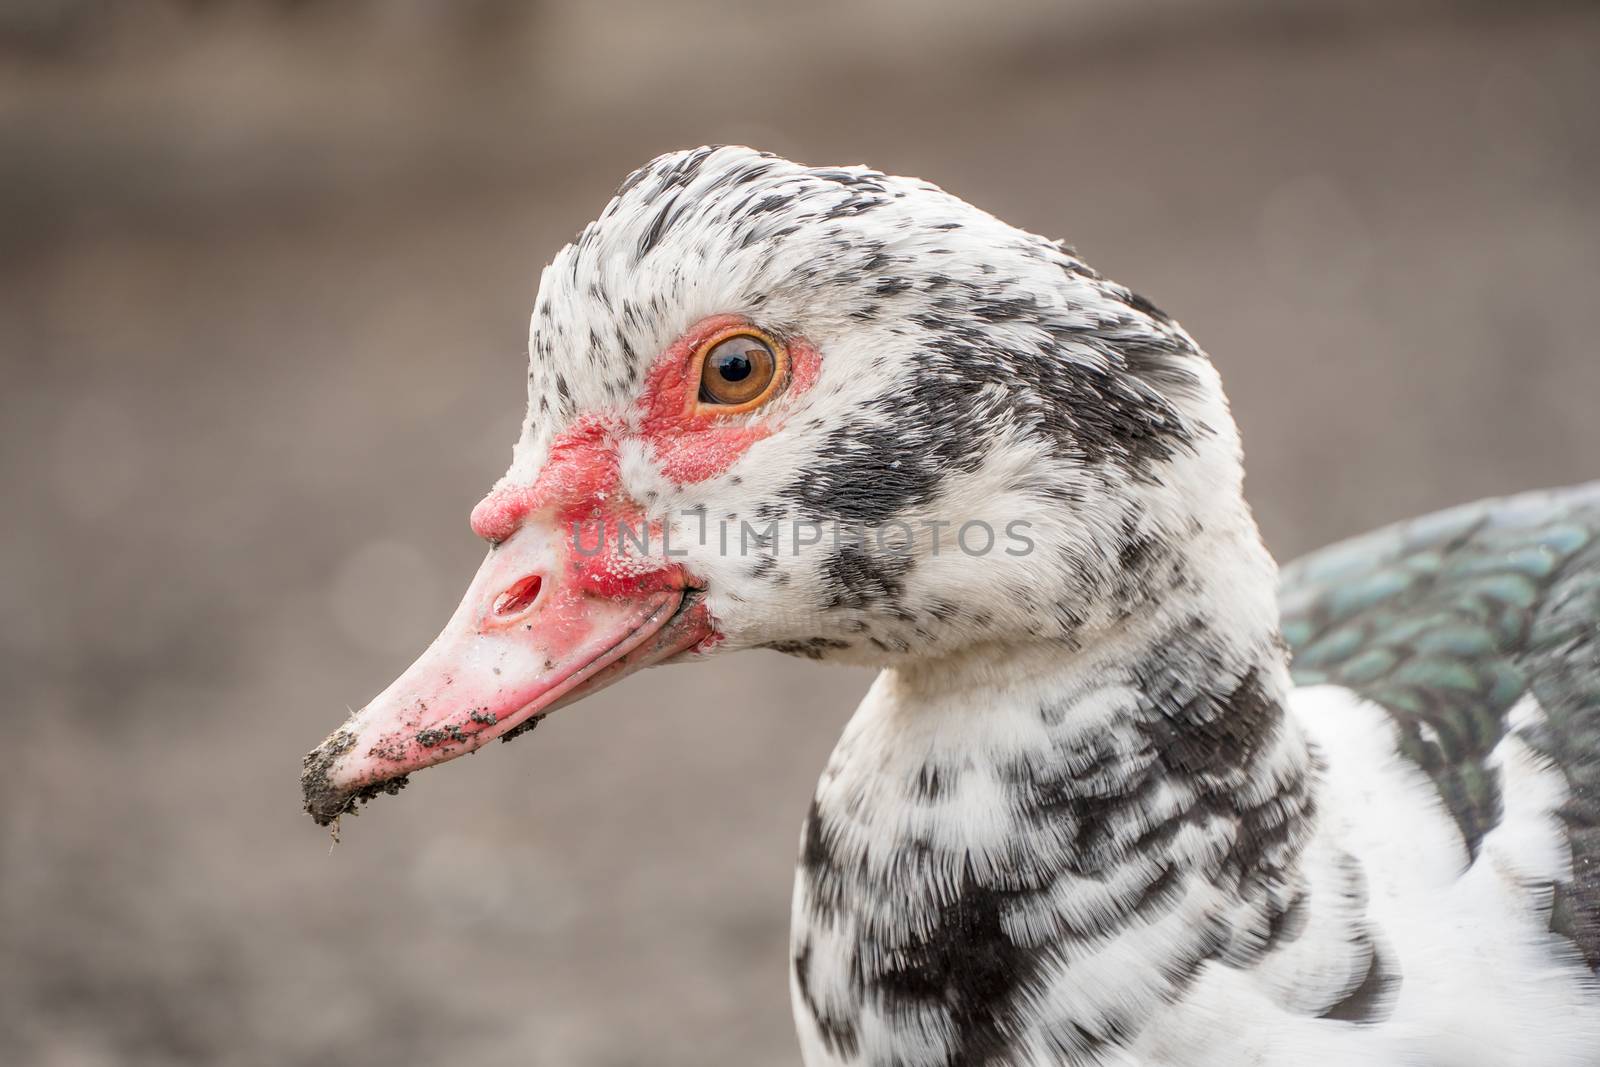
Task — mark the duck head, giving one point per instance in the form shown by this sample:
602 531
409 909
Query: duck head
826 411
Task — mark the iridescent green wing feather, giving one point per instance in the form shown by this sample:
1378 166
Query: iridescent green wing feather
1447 621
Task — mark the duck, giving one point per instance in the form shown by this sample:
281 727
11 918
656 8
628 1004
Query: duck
1121 792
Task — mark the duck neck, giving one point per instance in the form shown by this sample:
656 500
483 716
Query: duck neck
1037 847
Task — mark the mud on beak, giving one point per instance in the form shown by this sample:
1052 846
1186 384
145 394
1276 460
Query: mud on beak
531 634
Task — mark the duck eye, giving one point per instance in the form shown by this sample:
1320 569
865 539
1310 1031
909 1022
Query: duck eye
739 372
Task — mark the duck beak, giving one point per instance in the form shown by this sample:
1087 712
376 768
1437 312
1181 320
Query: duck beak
531 634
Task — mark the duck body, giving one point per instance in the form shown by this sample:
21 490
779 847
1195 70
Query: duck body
1066 880
1084 816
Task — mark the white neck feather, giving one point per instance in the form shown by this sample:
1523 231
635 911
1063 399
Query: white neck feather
1030 847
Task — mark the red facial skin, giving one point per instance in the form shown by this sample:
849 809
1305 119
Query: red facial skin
581 478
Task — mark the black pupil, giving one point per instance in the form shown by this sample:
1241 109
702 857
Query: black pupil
734 366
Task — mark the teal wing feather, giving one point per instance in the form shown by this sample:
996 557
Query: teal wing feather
1446 622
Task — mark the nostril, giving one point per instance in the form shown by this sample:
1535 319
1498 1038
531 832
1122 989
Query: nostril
519 597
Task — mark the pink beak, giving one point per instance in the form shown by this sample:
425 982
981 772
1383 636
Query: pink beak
530 635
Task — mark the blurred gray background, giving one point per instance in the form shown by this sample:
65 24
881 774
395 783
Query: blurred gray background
263 299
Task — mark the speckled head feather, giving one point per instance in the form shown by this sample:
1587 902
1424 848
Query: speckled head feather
967 371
